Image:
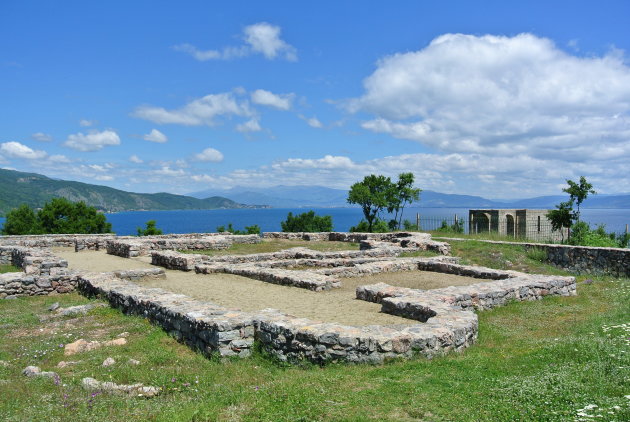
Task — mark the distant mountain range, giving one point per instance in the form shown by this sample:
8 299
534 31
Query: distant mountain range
33 189
322 197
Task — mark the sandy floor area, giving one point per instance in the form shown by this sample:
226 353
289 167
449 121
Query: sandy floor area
338 305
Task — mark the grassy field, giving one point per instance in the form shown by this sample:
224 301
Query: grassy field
278 245
559 359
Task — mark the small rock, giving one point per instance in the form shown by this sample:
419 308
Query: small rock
110 387
133 362
81 345
123 334
53 307
109 362
34 371
587 281
6 364
64 364
78 310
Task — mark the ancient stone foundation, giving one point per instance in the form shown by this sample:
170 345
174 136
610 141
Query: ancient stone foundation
440 320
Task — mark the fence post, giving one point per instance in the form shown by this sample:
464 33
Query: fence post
418 221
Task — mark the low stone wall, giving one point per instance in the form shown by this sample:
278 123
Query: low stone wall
203 326
55 240
302 279
13 285
579 259
138 246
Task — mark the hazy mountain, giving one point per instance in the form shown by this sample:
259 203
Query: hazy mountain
33 189
322 197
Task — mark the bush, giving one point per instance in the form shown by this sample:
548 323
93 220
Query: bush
151 230
307 222
583 235
379 226
56 217
254 229
456 227
409 225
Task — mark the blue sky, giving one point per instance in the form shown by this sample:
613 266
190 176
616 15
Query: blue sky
497 99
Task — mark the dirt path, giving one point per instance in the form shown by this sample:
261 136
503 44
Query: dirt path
338 305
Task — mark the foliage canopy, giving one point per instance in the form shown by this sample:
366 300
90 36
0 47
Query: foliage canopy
307 222
57 216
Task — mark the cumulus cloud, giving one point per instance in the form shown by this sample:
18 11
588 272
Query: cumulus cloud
167 171
135 159
18 150
502 96
209 155
41 137
260 38
267 98
202 111
155 136
93 141
251 125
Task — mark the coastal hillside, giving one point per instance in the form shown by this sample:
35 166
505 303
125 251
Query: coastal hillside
34 189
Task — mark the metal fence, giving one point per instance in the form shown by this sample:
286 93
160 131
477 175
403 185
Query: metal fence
538 231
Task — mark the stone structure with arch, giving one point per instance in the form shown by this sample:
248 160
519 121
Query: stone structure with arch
523 223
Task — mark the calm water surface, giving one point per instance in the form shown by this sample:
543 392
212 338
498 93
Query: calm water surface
191 221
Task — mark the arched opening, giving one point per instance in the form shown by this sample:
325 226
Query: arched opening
482 223
509 228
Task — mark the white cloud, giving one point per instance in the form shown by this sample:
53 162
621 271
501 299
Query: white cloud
312 121
135 159
167 171
266 98
87 123
202 111
18 150
155 136
260 38
60 159
203 178
251 125
104 178
209 155
265 38
502 96
93 141
41 137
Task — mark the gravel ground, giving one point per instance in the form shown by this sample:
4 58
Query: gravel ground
337 305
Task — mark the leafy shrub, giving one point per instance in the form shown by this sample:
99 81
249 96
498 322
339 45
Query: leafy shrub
583 235
307 222
254 229
456 227
409 225
57 216
151 229
379 226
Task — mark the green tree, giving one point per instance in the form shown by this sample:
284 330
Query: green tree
562 217
58 216
401 194
21 220
150 230
373 194
63 216
578 192
307 222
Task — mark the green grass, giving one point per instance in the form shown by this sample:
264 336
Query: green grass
534 361
278 245
7 268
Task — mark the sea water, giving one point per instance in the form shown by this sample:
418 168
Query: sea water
268 219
